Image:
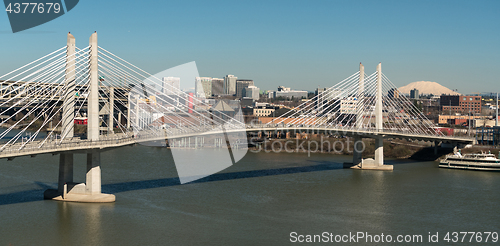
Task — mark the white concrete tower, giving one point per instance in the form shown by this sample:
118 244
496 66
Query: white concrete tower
66 159
361 91
93 99
378 162
379 139
378 106
68 119
357 155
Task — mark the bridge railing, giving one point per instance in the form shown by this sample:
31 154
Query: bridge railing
339 129
56 145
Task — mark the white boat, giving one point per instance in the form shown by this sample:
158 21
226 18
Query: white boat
483 161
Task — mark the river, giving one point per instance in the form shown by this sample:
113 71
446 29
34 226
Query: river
258 201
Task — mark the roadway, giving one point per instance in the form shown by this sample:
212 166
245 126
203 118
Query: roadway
54 146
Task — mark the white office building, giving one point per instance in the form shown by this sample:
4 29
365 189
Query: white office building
171 85
203 87
217 86
252 92
230 84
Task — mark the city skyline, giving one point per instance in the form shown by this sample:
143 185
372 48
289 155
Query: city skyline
297 44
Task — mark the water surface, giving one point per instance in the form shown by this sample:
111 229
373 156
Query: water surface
258 201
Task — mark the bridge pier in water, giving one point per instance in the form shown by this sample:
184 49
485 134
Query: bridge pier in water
378 162
69 191
357 156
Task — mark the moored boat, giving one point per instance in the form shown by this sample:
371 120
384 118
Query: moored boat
483 161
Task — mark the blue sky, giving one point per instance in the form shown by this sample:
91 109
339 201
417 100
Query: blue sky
302 44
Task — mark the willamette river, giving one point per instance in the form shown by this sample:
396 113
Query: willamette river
258 201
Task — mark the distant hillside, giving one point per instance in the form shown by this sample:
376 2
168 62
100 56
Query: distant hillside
427 87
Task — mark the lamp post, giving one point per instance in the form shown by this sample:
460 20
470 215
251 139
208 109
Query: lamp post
468 123
496 118
449 98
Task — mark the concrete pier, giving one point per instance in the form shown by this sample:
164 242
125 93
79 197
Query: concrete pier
93 177
90 191
65 170
357 156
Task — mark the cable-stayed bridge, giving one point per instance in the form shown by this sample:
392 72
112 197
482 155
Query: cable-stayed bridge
87 100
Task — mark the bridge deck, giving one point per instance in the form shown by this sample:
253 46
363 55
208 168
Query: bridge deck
119 140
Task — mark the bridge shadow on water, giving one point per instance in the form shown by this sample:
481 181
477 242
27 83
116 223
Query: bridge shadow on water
25 195
37 194
166 182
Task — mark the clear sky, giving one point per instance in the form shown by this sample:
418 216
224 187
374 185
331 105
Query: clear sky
301 44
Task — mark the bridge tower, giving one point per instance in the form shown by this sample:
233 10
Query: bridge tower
357 155
379 124
93 99
360 99
378 162
67 130
69 92
67 190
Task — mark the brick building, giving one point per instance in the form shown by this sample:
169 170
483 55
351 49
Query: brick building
460 104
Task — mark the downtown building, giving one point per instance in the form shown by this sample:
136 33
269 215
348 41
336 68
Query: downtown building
460 104
217 87
325 96
203 87
414 94
171 85
252 92
327 99
288 93
394 93
241 84
172 94
230 84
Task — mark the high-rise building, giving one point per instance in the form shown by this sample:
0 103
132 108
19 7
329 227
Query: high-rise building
252 92
240 85
414 94
230 84
217 86
171 85
203 87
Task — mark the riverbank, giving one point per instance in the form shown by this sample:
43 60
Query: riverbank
401 149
